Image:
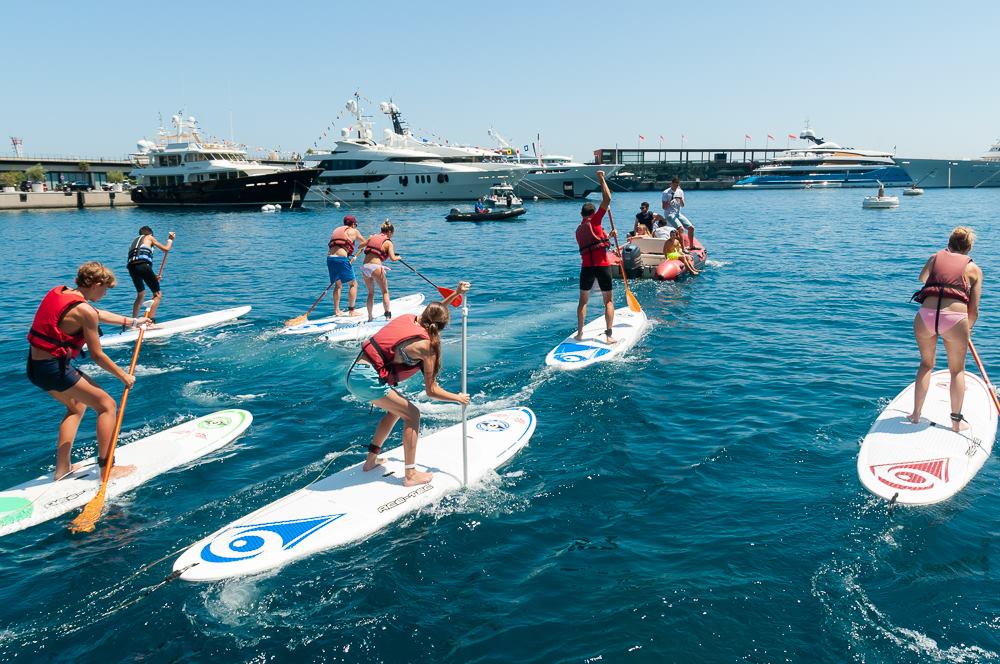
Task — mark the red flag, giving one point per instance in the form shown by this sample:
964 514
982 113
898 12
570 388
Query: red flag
641 137
791 136
748 137
771 137
661 137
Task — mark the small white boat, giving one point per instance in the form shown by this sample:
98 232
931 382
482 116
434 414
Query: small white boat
500 194
913 191
880 202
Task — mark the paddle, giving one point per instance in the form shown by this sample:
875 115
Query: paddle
87 519
465 388
159 276
633 303
445 292
298 320
979 363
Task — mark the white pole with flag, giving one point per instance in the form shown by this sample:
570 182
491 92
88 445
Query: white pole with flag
465 389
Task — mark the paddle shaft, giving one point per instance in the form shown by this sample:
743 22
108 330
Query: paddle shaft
445 292
979 363
465 374
632 302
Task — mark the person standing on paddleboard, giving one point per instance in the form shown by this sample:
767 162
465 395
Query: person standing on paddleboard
378 248
949 307
398 351
338 263
140 268
63 323
594 245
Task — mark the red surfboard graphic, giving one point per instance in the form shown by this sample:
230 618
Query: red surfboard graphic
912 475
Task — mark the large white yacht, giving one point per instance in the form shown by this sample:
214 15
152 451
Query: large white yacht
183 169
401 168
825 164
983 171
546 176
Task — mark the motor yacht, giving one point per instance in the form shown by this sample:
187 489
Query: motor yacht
826 164
184 169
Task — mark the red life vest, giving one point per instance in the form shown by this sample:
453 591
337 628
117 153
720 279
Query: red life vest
339 240
45 333
947 278
375 244
593 246
380 350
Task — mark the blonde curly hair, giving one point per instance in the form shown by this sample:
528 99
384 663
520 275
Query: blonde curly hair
93 273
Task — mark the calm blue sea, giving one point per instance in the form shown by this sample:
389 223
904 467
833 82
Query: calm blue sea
696 501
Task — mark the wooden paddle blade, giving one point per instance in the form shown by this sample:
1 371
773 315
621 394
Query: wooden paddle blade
87 519
445 292
298 320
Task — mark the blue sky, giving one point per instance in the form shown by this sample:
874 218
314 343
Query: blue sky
89 79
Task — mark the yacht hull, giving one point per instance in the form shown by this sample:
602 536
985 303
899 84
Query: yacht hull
953 173
555 182
890 176
285 188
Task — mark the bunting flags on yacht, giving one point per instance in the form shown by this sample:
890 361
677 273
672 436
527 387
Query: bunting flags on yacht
770 137
791 136
748 137
641 137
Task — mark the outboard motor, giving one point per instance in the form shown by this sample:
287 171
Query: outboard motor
631 259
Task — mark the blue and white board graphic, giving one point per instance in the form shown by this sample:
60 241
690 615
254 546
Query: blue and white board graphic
42 499
407 304
353 504
576 354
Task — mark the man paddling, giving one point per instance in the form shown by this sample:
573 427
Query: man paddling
63 323
140 268
594 243
338 263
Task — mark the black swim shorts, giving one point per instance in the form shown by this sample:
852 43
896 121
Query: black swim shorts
53 375
143 272
602 274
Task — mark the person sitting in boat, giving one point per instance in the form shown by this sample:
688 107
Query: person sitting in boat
378 248
480 206
398 351
673 250
949 307
641 230
63 324
645 217
881 190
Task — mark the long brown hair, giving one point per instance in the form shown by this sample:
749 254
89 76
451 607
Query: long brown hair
434 319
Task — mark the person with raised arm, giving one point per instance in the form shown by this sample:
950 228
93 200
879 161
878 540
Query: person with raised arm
406 345
140 268
594 243
63 324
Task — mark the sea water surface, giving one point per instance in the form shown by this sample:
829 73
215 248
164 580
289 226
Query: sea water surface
695 501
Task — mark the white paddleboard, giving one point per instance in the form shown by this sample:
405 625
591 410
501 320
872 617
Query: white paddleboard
42 499
176 326
572 354
404 304
921 464
353 504
366 328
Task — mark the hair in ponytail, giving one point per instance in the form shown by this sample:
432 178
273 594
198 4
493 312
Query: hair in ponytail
387 227
434 319
961 240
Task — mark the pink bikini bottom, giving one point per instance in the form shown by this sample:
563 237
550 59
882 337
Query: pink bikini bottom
945 320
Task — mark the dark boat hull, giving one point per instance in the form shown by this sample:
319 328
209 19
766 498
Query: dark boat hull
285 188
495 215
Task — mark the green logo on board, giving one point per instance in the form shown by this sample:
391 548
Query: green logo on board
216 422
14 509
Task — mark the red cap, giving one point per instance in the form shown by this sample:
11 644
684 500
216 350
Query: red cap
350 219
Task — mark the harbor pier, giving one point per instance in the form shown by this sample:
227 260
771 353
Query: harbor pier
54 200
698 168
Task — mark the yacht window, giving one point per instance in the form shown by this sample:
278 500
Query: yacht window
213 176
440 178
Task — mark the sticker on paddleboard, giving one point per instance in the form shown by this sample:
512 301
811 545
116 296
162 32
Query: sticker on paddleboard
43 499
573 353
925 463
352 504
176 326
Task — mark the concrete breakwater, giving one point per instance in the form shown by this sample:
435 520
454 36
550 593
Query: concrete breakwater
20 200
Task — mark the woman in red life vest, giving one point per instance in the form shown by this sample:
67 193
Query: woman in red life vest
63 323
949 307
399 350
378 248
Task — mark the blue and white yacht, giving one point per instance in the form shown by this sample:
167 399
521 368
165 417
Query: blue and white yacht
826 164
